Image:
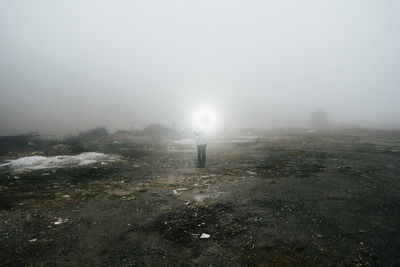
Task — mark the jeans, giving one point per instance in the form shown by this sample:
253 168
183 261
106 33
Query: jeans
201 155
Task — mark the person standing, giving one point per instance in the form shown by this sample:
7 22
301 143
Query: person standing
201 143
204 124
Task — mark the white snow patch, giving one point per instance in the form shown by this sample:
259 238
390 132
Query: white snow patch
39 162
186 141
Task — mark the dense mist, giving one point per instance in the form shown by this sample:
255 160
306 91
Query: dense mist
67 66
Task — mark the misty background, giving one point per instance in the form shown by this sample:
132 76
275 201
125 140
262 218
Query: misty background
68 66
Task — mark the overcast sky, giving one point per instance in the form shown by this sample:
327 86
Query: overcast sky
72 65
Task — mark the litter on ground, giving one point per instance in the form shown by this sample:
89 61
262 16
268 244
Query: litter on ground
204 235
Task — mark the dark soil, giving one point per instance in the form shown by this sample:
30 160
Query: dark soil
288 199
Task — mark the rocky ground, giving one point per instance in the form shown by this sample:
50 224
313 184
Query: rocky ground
286 199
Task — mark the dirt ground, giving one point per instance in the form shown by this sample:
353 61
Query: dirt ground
286 199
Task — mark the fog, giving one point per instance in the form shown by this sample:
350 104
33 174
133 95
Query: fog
67 66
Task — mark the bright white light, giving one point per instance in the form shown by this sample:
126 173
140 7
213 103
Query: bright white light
205 120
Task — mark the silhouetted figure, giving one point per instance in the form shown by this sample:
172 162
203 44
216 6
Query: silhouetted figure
204 123
201 155
201 143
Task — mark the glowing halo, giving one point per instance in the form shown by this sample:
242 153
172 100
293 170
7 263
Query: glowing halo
205 120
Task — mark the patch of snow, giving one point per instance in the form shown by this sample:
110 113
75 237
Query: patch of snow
39 162
239 141
186 141
249 137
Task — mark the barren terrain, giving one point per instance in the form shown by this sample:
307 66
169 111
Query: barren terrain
288 198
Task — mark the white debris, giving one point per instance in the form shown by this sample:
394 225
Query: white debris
60 221
66 196
33 240
182 189
39 162
204 235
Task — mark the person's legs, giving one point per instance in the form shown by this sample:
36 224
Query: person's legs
203 158
199 151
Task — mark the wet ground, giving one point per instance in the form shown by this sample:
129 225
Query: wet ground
286 199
